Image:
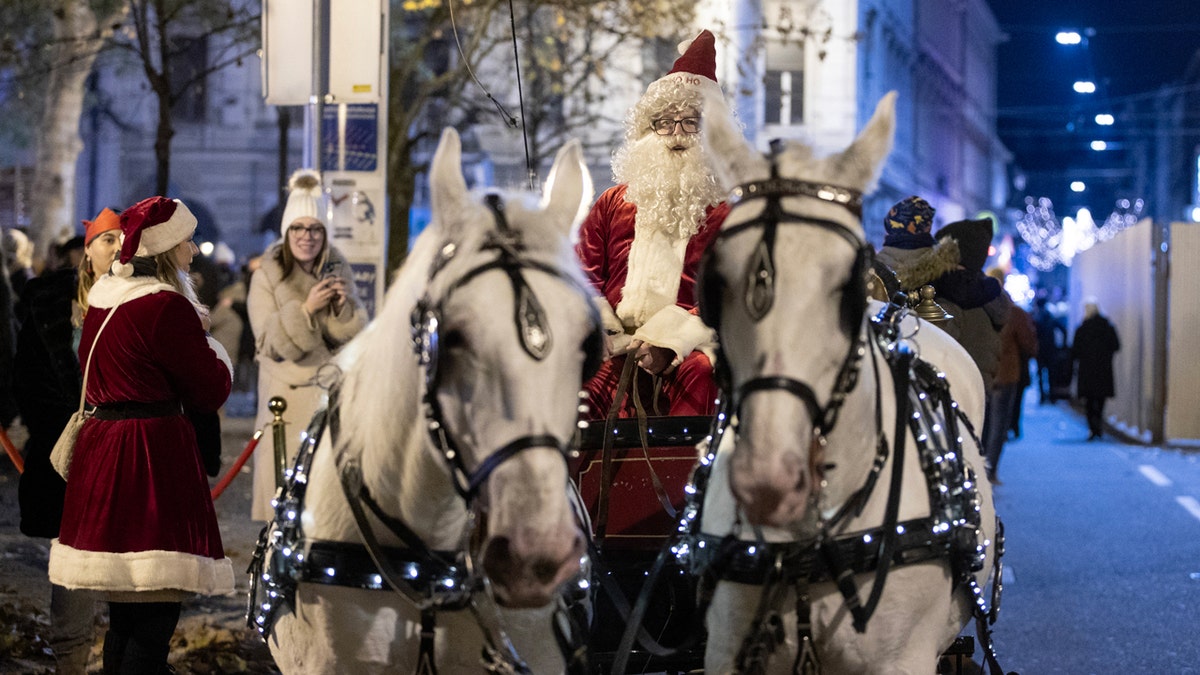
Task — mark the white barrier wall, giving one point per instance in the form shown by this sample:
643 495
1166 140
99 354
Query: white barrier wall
1183 335
1119 275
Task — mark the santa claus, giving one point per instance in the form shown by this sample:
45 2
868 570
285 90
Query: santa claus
642 242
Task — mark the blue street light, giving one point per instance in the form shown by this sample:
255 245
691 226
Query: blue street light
1104 119
1099 145
1068 37
1084 86
1078 186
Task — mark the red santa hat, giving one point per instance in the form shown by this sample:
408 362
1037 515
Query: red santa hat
152 226
694 72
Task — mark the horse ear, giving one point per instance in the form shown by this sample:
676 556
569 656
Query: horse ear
733 158
862 162
448 188
568 192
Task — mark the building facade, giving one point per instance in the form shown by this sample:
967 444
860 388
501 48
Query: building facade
807 69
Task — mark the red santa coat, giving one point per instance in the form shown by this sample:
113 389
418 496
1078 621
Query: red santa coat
138 516
604 249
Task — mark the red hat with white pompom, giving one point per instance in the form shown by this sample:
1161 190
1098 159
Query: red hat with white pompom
152 226
684 86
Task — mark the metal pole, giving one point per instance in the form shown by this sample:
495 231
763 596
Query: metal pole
277 405
315 113
1160 240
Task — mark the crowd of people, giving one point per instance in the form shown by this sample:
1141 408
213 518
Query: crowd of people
129 323
154 339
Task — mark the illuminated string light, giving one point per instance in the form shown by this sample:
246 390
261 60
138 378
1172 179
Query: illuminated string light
1052 243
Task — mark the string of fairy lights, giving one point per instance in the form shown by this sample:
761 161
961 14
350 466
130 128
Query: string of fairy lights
1053 242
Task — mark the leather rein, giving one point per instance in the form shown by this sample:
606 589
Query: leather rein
921 395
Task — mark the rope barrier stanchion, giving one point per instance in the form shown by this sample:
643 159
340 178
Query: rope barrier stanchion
237 465
11 449
277 405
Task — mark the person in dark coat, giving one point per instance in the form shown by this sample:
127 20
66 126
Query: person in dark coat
48 370
1052 340
8 327
1093 348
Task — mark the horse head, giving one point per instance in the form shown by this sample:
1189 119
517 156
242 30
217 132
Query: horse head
783 286
508 333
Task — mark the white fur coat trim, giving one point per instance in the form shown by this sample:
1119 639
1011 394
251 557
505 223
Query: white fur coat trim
652 280
221 353
111 289
139 571
618 339
679 330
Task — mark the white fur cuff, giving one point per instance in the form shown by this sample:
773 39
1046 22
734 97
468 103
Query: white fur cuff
221 353
608 318
676 329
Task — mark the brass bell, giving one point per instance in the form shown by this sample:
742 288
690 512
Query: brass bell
929 310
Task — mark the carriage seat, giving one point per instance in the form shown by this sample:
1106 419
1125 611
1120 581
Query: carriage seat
637 519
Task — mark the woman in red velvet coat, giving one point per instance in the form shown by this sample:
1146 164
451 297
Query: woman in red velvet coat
138 523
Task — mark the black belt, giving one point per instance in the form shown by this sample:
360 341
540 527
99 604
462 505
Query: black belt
130 410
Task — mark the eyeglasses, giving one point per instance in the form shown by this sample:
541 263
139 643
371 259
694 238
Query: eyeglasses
313 231
666 126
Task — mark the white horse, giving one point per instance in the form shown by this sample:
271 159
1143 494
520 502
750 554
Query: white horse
492 295
790 316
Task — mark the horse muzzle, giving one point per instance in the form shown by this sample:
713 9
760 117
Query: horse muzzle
527 574
773 475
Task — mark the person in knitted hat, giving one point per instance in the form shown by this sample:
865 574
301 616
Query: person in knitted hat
138 526
641 244
909 250
302 308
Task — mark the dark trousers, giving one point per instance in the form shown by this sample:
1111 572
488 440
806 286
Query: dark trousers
1094 407
996 419
139 637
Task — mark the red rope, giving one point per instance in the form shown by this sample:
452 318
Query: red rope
237 465
12 451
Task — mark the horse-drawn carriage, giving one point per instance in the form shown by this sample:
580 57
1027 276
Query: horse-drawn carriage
440 477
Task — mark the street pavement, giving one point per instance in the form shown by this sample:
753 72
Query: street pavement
1102 553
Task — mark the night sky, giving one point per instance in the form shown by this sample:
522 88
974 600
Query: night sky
1131 49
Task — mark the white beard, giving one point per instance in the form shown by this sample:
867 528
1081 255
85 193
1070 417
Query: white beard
672 190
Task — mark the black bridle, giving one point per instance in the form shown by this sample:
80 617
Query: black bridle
458 584
533 329
760 288
921 394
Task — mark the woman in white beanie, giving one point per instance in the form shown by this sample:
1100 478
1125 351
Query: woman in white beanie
302 309
138 524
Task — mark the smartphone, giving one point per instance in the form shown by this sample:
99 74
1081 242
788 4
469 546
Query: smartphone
331 269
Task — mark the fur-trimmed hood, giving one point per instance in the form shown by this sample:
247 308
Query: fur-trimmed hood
917 267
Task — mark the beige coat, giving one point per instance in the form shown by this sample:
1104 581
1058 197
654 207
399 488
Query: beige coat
290 349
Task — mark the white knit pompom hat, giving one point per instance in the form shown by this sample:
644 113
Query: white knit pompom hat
306 197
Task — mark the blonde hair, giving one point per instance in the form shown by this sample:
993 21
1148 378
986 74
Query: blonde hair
169 272
87 279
